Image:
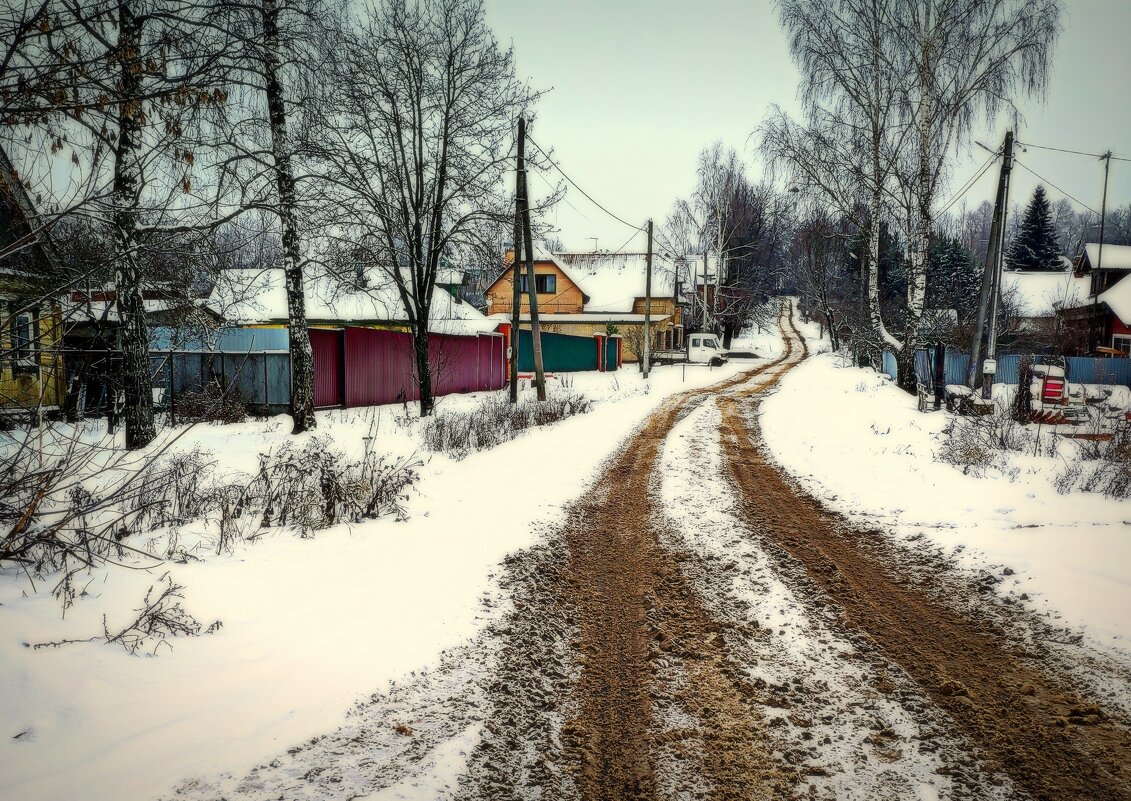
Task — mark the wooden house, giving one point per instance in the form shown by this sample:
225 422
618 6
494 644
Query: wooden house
31 365
1101 324
583 294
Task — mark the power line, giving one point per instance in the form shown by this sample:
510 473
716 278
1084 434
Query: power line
967 186
1057 188
582 191
1074 152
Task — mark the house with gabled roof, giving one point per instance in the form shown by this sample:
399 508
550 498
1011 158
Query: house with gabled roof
583 294
1101 323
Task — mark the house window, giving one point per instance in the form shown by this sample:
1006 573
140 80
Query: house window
25 340
544 284
1122 343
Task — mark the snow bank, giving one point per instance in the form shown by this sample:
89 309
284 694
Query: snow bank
857 442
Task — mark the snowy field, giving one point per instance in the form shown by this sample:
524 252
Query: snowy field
857 442
309 625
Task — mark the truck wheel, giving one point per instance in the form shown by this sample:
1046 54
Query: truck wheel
716 361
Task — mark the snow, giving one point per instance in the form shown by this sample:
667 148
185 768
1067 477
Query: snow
857 443
1118 299
1041 293
1114 257
251 296
613 281
309 625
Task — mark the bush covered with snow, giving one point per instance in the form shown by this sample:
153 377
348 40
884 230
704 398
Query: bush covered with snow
495 420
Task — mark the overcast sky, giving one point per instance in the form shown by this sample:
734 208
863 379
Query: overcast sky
638 87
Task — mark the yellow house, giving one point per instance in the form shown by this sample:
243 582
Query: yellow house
31 363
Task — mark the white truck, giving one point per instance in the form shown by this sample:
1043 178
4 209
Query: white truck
702 348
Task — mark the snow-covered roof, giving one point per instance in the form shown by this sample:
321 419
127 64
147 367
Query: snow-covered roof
613 281
582 317
252 296
1041 293
1115 257
1118 297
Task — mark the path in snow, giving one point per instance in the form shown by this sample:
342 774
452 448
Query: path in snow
699 628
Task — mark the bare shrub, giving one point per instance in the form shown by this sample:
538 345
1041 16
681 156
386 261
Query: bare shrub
495 421
316 486
974 442
213 405
159 618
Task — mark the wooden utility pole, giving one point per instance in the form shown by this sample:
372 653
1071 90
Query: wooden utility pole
993 259
531 287
648 304
516 294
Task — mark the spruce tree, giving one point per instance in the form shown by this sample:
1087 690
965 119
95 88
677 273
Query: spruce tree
1035 247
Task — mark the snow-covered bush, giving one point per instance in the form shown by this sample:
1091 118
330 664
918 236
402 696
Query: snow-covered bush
495 421
317 486
976 442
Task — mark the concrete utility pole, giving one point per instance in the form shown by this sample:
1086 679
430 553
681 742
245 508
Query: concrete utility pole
703 322
993 259
1097 329
648 304
531 284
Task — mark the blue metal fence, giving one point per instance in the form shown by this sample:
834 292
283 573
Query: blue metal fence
1079 369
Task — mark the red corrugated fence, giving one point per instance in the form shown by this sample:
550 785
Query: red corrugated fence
378 366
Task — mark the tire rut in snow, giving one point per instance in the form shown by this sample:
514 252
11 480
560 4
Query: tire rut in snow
644 637
1027 723
520 755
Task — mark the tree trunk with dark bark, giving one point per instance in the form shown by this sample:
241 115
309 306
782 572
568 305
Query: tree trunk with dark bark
135 380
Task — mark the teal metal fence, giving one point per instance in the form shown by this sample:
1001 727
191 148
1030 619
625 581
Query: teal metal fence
562 353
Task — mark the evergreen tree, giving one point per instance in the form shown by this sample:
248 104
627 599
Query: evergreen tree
1035 247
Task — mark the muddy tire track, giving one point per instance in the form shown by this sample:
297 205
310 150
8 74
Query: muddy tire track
644 636
1025 720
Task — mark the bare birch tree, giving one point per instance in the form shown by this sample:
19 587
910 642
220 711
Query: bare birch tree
280 63
423 130
959 61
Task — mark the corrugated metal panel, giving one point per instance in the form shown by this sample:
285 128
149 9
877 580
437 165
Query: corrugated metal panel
327 347
889 367
228 340
611 354
1083 370
561 353
1080 369
379 367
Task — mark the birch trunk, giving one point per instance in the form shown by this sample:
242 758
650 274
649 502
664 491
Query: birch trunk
136 381
302 355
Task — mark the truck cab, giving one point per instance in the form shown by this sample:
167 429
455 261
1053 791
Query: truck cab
705 349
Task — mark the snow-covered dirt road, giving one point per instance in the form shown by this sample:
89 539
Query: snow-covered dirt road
700 628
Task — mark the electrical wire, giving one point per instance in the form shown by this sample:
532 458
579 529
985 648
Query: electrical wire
1074 152
1054 186
967 186
579 189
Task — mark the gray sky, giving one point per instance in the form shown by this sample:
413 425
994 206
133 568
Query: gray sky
638 88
